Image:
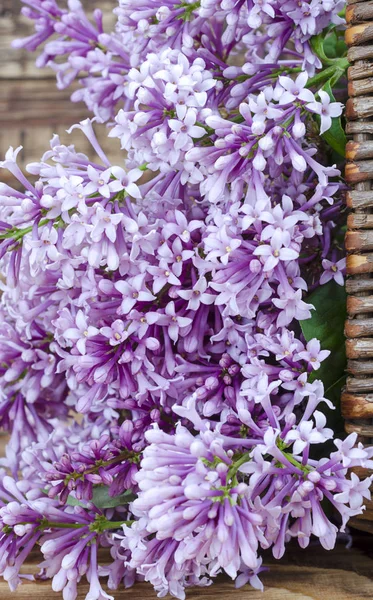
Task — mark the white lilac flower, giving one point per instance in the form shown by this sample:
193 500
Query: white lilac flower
326 109
197 294
295 89
275 251
313 354
81 332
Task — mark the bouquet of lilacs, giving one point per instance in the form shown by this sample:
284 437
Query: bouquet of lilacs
165 343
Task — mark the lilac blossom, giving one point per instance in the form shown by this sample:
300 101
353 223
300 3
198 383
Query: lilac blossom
313 354
326 109
333 270
161 399
81 332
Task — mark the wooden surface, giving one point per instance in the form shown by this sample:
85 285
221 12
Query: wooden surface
312 574
32 109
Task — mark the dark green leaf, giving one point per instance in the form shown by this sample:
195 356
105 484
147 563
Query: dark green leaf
327 325
102 499
333 393
329 46
71 501
317 43
334 45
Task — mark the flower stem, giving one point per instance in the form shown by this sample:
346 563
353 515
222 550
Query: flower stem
336 70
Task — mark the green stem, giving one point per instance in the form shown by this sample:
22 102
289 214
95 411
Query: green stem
241 461
122 456
101 525
188 9
286 70
50 525
16 234
125 455
246 458
336 70
117 524
296 463
208 129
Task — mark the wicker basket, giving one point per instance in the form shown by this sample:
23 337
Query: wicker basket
357 398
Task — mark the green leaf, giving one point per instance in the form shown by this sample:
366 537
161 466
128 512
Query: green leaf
102 499
333 393
327 325
317 44
334 45
335 136
71 501
329 46
332 73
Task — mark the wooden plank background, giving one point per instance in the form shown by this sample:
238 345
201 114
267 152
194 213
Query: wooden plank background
312 574
31 110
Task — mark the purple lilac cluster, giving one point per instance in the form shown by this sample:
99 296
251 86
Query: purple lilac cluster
267 35
160 396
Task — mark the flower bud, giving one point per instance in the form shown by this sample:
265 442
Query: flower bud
298 130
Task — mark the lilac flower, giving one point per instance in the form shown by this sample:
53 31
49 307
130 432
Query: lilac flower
100 182
293 307
79 42
43 249
81 332
111 460
159 397
333 270
164 563
307 433
170 319
133 291
275 251
326 109
251 576
295 89
353 454
180 226
31 519
356 492
313 354
197 295
220 246
185 130
193 496
72 193
126 181
116 333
